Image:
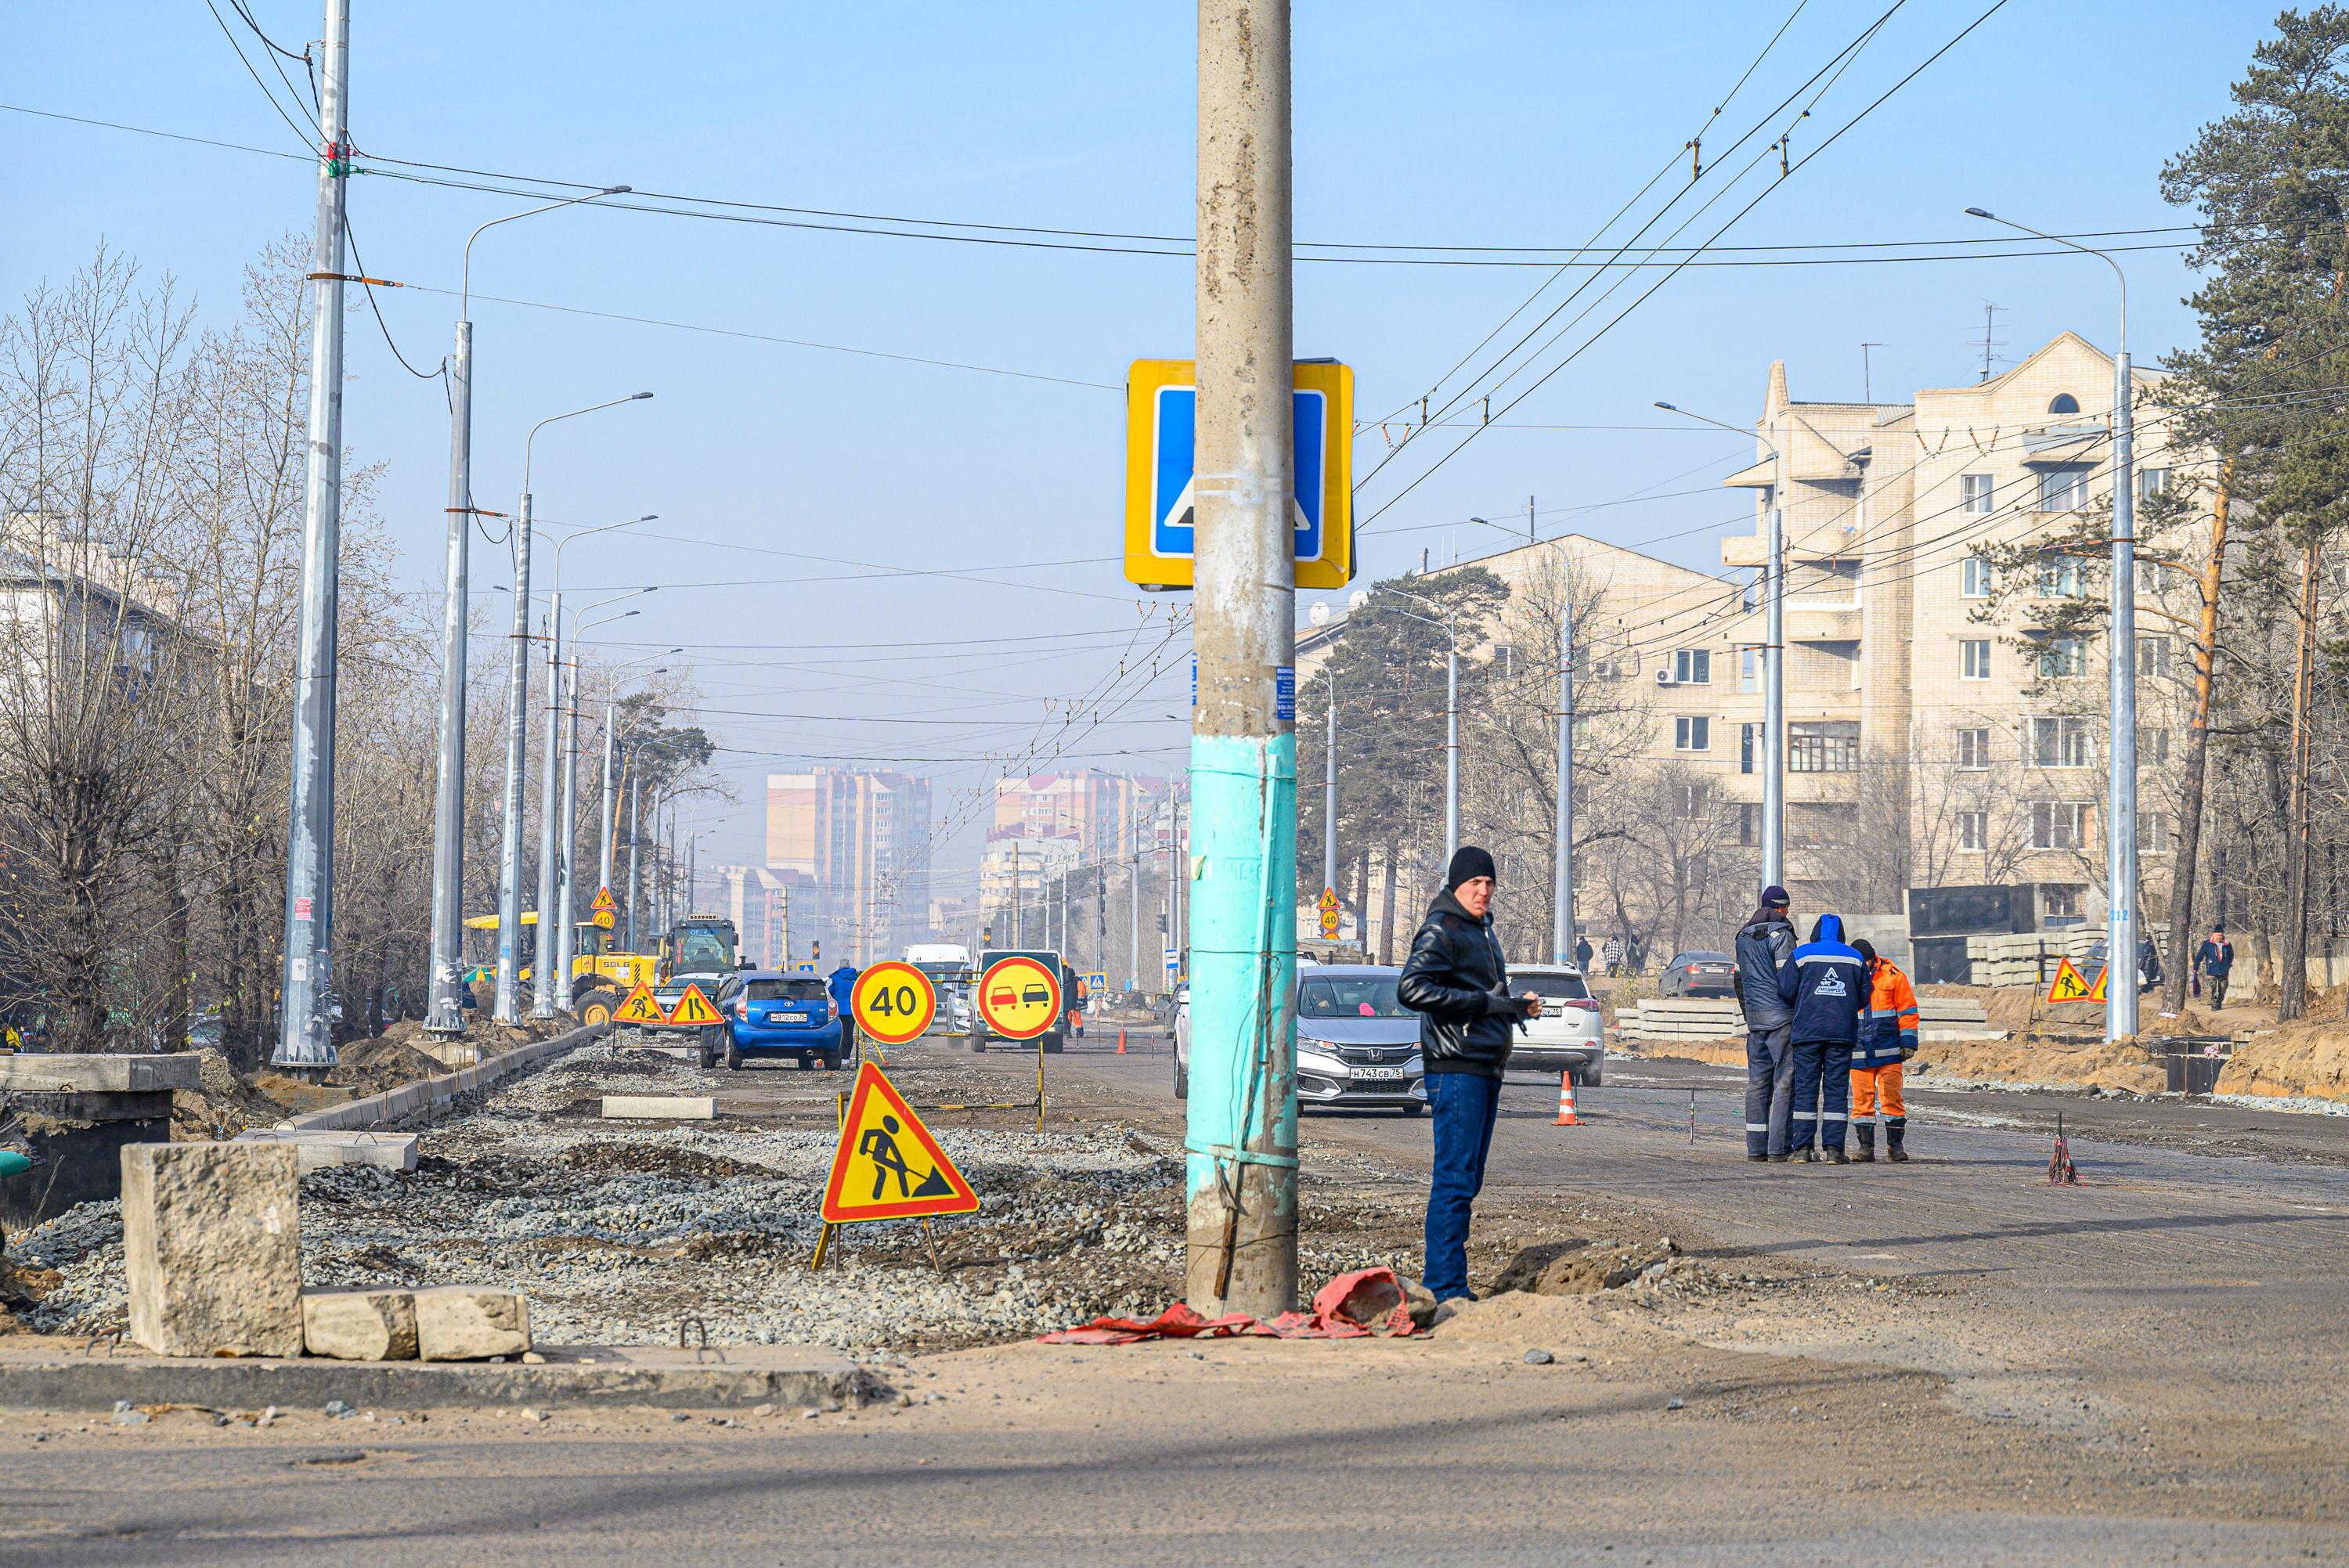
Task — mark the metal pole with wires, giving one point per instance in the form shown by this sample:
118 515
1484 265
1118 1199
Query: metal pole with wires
1451 630
1561 924
306 1037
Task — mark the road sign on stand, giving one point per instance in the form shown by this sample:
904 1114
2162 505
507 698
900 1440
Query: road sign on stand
892 1002
887 1166
694 1008
1019 998
603 900
1161 433
2070 985
641 1007
1329 914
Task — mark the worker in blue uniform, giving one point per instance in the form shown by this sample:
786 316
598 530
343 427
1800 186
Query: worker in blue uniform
1826 982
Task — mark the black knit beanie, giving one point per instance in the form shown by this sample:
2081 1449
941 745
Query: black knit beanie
1468 862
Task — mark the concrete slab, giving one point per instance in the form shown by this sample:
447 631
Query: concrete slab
51 1374
322 1147
67 1072
660 1107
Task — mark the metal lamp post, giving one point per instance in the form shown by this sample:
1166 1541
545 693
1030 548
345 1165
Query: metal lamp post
445 1010
567 900
508 1007
1774 661
1451 712
609 828
549 990
2120 811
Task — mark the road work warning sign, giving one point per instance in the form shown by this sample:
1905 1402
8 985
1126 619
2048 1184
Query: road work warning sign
887 1166
640 1008
693 1007
2070 985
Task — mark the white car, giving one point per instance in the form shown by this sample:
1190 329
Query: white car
1568 1036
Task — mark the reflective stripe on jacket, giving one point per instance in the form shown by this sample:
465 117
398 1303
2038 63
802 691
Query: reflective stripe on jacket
1825 982
1890 1026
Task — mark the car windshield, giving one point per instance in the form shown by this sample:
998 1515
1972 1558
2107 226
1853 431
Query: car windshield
1350 996
1552 987
784 991
699 951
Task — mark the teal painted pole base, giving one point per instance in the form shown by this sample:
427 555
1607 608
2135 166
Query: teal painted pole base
1241 1163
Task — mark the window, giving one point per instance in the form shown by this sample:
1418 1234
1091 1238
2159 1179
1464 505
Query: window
1749 669
2064 489
2151 482
1974 655
2059 576
1504 655
2153 656
2152 832
1692 667
1695 800
2058 824
1974 580
1974 492
1749 747
1973 831
2152 576
1826 746
2060 901
2063 659
1749 825
1973 748
1692 734
2153 745
2059 743
2065 403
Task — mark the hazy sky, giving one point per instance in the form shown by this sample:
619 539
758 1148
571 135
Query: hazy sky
798 486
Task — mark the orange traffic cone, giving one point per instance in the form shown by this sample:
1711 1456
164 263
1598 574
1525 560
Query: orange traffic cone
1566 1117
1121 1040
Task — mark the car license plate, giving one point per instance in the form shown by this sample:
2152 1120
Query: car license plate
1378 1075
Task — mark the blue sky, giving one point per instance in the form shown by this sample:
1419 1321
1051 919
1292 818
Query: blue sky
1469 123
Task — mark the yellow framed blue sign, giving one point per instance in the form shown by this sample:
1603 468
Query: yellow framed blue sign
1161 433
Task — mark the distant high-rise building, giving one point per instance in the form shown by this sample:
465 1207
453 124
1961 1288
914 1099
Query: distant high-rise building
862 841
1093 807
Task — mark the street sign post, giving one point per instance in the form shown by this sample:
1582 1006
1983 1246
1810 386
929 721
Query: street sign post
1161 424
1019 998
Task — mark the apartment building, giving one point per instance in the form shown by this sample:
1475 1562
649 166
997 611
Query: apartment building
1095 808
863 839
759 903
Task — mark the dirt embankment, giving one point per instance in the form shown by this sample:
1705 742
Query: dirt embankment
2308 1057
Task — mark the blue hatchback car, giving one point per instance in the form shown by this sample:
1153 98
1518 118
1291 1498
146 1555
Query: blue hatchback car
772 1014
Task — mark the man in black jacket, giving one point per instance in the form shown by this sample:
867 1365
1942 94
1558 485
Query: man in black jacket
1457 982
1764 943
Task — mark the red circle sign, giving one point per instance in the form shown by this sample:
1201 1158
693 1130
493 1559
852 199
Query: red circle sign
1019 998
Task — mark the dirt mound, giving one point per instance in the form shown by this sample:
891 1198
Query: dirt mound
660 1159
2090 1064
2308 1057
1520 1320
226 1106
386 1062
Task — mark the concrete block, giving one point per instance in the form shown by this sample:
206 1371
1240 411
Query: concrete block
65 1072
318 1149
661 1107
469 1323
359 1324
212 1248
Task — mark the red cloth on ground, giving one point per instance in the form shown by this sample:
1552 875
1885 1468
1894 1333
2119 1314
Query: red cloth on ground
1351 1307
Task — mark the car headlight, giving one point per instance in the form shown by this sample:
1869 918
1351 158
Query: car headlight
1317 1054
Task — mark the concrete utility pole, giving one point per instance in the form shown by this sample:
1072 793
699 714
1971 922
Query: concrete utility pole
1241 1170
1561 924
1774 662
635 783
565 908
445 1012
1132 899
306 1037
508 1007
2120 811
1015 893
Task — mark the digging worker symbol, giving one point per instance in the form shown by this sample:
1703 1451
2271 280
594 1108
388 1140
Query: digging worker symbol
880 1143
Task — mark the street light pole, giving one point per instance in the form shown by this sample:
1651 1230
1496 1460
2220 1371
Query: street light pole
2120 812
1241 1170
508 1009
1329 789
1774 662
306 1035
1561 922
445 1011
566 897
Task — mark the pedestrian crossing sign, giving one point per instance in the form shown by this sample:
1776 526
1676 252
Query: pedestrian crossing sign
2070 985
1162 400
887 1166
640 1008
693 1007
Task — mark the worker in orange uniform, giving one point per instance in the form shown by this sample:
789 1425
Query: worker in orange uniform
1888 1037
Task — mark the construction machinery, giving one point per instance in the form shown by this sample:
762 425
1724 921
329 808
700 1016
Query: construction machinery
600 976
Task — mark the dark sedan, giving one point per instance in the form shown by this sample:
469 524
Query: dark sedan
1700 974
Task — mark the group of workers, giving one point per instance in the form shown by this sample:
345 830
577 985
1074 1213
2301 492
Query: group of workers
1829 1023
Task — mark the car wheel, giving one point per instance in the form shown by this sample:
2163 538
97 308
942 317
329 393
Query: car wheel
1593 1075
1051 1045
1416 1107
707 1055
1182 1082
733 1056
832 1061
978 1044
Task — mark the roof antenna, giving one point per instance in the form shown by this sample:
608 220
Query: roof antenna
1990 344
1867 381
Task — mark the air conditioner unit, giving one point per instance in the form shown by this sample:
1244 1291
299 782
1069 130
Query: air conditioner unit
1664 677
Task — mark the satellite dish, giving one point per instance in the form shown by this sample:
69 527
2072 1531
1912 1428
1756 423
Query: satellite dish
1318 615
1358 598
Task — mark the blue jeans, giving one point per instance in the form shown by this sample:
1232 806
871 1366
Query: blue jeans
1822 1093
1463 1106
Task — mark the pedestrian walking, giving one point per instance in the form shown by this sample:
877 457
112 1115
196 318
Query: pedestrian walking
1457 982
1582 953
1612 952
2214 960
2149 964
1764 944
1827 989
1888 1037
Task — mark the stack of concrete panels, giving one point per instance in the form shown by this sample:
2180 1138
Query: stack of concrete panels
1682 1018
2015 960
1953 1018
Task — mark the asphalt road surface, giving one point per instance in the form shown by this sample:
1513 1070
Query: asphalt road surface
2144 1368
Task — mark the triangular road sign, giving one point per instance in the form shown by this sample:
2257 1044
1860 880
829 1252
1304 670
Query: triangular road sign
693 1007
887 1166
2070 985
2096 992
640 1008
603 900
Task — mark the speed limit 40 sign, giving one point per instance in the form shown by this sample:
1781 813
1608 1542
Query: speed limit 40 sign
892 1002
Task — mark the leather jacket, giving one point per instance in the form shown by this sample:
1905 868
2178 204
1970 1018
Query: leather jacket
1457 982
